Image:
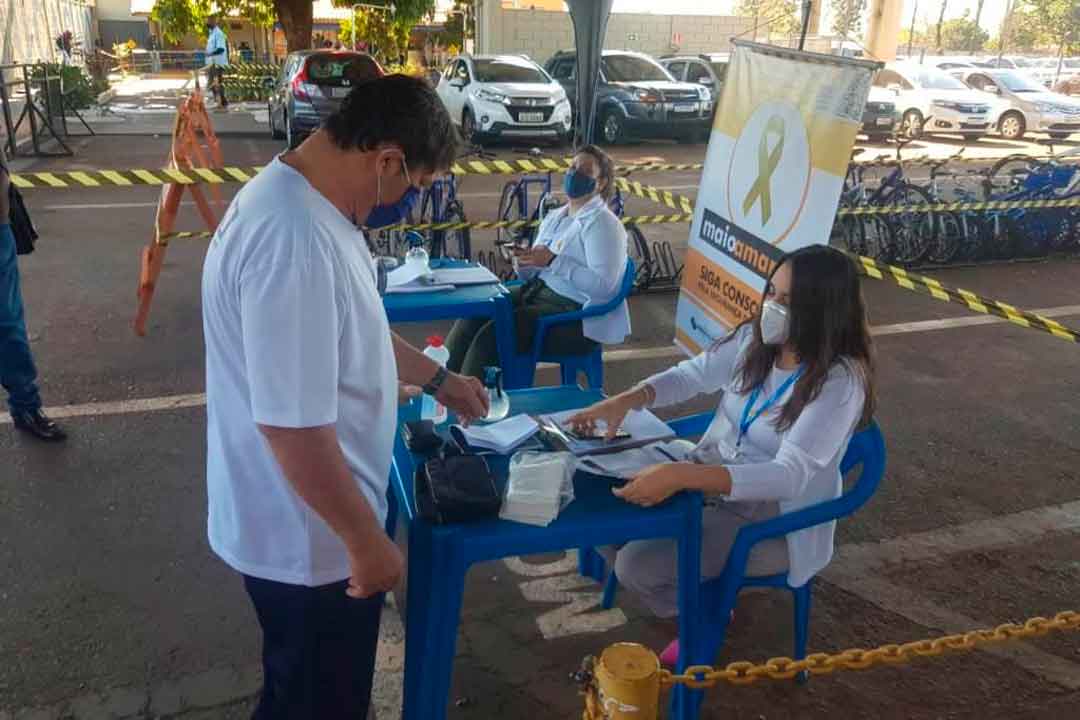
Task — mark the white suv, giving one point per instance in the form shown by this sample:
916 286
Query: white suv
927 95
494 96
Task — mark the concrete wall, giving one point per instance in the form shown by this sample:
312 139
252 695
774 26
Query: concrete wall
117 10
540 33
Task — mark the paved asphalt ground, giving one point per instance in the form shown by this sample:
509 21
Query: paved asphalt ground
113 606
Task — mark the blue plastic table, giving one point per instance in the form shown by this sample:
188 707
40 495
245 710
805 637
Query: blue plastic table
467 301
440 555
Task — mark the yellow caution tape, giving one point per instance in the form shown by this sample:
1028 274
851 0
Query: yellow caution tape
927 160
471 225
976 303
129 177
984 206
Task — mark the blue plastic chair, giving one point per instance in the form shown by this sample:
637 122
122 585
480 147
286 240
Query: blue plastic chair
719 595
592 364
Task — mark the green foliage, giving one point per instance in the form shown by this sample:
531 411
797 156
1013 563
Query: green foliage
962 34
773 17
79 91
847 16
179 18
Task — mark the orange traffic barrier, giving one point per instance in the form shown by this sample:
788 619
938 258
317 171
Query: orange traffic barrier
194 146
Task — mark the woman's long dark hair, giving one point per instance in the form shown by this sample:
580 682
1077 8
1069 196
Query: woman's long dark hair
827 325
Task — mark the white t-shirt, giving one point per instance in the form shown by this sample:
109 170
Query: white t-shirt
296 336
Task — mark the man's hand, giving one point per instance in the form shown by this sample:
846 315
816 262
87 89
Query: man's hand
375 568
406 392
539 256
465 395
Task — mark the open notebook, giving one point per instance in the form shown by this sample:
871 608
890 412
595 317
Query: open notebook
502 437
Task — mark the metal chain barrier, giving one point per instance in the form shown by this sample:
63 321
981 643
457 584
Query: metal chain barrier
626 680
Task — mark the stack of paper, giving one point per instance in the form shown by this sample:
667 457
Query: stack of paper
540 486
411 278
502 437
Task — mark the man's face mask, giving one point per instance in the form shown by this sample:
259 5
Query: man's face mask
393 213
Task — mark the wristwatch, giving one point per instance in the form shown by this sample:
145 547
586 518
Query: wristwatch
431 387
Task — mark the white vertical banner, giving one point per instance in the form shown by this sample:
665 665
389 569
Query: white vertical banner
774 169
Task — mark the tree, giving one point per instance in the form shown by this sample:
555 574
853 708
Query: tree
179 18
962 34
847 17
771 16
1024 32
978 17
1059 22
387 34
940 22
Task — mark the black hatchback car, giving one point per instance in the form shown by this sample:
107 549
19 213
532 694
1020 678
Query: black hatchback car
310 86
637 97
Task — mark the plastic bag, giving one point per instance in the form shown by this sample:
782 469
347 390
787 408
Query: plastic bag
541 484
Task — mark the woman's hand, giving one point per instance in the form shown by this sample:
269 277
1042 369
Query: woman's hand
611 412
539 256
653 485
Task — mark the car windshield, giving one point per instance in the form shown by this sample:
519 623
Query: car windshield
630 68
508 71
1018 83
932 79
340 70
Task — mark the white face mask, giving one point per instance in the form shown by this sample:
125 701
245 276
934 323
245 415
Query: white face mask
774 323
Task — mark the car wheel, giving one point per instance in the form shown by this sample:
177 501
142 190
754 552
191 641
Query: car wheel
468 127
274 132
912 123
1012 126
611 128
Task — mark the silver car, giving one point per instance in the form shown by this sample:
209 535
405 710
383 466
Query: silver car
1026 106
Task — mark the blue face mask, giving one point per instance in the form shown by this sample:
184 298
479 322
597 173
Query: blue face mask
395 213
577 184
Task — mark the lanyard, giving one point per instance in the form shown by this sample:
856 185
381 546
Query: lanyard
749 416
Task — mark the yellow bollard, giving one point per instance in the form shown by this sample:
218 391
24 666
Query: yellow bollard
627 678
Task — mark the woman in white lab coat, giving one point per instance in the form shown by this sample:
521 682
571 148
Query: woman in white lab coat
796 381
577 260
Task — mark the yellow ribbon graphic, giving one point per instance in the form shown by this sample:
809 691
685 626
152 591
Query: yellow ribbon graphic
767 164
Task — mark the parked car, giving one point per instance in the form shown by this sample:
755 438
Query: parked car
928 96
1027 106
637 97
311 86
707 70
880 117
496 96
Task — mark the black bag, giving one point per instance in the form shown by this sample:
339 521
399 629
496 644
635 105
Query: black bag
21 225
455 488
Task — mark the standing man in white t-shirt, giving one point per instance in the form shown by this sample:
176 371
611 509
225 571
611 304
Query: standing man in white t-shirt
217 58
302 376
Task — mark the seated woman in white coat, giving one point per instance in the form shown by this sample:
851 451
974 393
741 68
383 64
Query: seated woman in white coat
796 382
577 260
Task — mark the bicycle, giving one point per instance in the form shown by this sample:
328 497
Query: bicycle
869 235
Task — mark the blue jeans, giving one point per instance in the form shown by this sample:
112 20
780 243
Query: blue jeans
17 372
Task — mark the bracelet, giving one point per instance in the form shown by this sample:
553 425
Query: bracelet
431 387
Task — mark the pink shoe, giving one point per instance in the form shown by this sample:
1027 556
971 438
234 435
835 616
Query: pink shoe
670 654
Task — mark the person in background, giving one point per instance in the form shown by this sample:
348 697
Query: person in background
797 381
217 58
17 372
577 260
303 380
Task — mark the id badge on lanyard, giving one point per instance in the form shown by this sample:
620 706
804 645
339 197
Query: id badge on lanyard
558 243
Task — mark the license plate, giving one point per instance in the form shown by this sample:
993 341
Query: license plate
977 120
884 121
531 117
339 92
685 107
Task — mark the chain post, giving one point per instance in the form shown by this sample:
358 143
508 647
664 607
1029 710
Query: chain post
627 682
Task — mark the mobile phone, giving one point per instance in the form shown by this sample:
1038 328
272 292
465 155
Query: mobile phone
596 435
